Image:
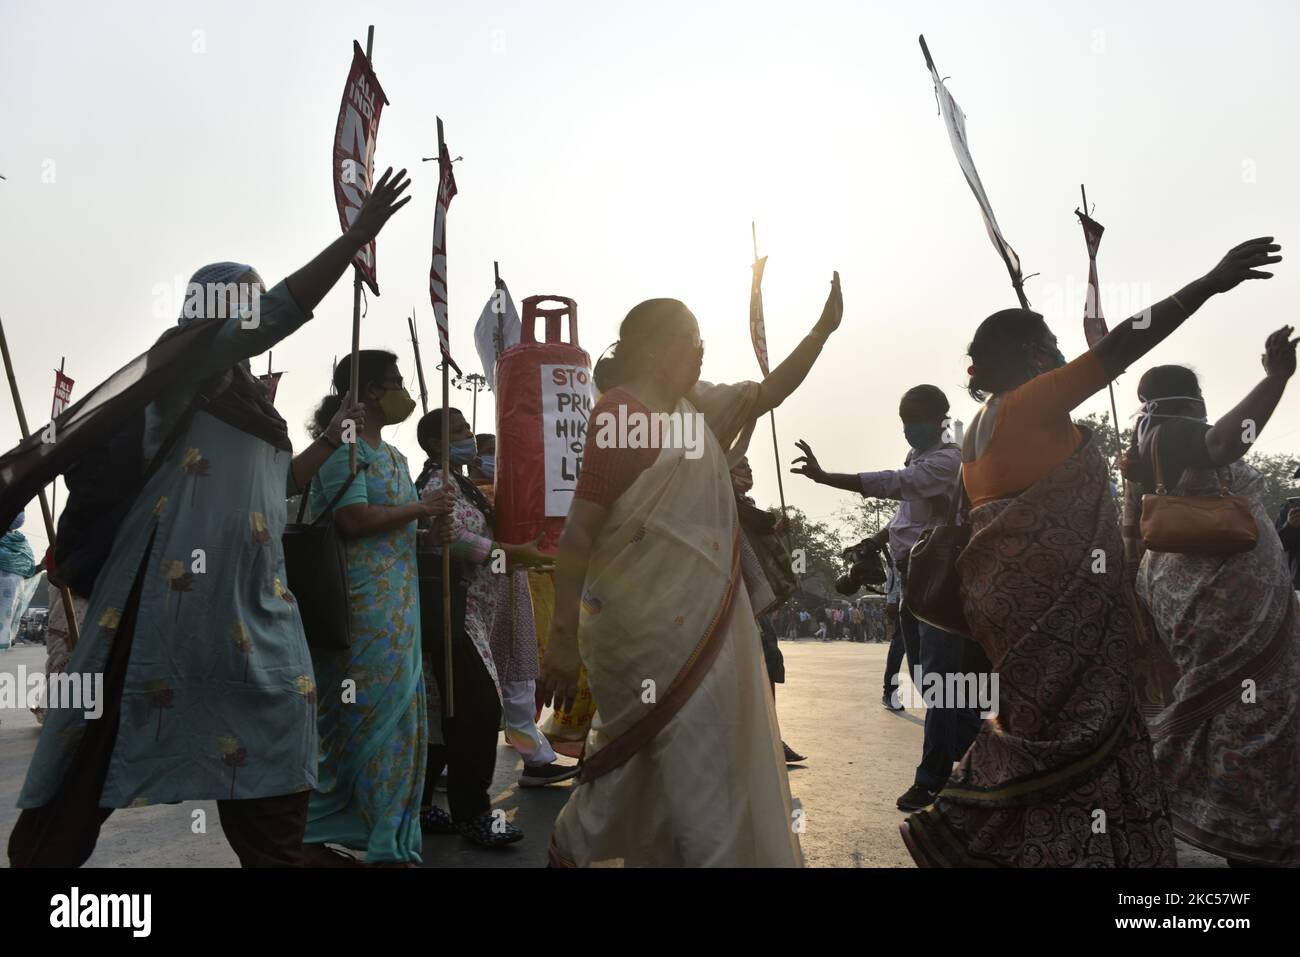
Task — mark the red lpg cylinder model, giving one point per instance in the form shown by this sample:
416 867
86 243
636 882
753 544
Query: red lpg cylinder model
544 395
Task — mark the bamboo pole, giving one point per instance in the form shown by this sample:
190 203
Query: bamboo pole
449 692
419 365
354 381
74 631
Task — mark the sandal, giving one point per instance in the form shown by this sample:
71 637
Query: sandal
434 820
490 830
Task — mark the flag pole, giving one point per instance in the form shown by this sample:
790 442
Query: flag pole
776 450
354 382
74 632
419 366
501 312
1110 386
449 691
54 486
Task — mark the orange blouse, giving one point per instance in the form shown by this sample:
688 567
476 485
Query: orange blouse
1033 432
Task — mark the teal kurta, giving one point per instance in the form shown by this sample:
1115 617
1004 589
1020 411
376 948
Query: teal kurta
219 699
374 730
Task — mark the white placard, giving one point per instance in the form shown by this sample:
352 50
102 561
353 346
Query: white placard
567 398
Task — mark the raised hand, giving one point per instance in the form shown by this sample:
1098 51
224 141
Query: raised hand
833 311
1279 353
379 206
1242 262
810 467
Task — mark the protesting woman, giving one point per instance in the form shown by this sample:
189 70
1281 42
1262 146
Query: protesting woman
684 765
1227 741
463 743
1063 775
208 683
372 701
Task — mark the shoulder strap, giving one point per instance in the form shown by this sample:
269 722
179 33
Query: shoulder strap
202 399
1161 488
302 504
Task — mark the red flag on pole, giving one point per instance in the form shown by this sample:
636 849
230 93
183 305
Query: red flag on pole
62 394
757 331
438 269
269 382
354 151
1094 323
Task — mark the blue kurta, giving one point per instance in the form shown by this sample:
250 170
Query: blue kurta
373 723
219 699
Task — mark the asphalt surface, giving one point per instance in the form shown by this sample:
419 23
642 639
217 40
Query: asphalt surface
860 758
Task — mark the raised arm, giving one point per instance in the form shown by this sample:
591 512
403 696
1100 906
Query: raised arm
1135 337
787 376
310 283
1232 435
811 468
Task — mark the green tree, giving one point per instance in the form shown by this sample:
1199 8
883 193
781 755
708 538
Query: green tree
866 517
816 548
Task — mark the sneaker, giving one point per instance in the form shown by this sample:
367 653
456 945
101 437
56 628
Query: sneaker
791 755
490 829
434 820
544 774
888 700
916 798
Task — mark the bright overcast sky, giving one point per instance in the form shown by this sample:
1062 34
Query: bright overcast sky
617 151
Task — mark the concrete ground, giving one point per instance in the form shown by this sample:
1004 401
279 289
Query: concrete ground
860 758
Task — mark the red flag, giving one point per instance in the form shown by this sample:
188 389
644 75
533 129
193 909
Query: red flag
438 269
354 152
62 394
269 382
1094 323
757 331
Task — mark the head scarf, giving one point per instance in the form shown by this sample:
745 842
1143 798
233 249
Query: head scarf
221 273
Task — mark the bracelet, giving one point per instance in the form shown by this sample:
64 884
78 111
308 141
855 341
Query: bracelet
819 337
325 437
1186 311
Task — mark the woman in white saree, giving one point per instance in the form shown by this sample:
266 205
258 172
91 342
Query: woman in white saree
684 765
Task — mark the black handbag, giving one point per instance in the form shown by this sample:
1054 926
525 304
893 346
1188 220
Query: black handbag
316 564
933 589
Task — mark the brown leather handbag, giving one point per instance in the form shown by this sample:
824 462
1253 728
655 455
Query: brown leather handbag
933 588
1195 525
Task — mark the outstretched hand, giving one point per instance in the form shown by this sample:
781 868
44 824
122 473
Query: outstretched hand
380 205
810 467
1279 353
1242 262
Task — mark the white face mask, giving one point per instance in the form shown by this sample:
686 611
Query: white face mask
1148 413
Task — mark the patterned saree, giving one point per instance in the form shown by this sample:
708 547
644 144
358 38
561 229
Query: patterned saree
1063 775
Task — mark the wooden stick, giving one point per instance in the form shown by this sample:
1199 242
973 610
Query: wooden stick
419 366
776 449
447 480
74 631
354 381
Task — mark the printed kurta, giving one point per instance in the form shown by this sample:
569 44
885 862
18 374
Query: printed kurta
471 546
373 727
219 698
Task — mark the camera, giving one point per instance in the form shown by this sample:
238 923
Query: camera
866 569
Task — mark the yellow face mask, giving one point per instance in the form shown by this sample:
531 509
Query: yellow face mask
397 406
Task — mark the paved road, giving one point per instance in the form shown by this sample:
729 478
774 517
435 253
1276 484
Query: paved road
860 757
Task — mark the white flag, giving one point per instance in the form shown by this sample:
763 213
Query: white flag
499 305
955 120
